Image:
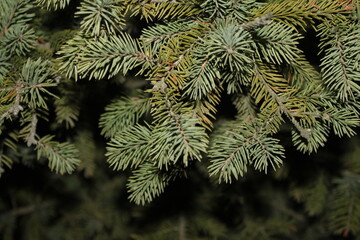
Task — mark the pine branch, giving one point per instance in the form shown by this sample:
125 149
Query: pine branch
231 153
178 139
105 57
246 108
171 69
160 34
176 134
205 76
236 81
19 40
232 159
341 44
301 74
267 152
343 120
10 143
14 12
162 9
37 76
4 66
70 56
101 17
30 131
130 148
122 114
146 183
268 86
344 216
14 96
234 9
67 107
192 55
205 108
318 137
53 4
277 43
63 157
173 51
301 13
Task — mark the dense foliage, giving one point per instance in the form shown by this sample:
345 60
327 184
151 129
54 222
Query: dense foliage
193 88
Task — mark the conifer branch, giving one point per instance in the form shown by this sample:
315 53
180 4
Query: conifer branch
146 183
231 154
338 67
122 114
107 57
100 17
193 57
53 4
205 108
257 22
175 117
19 40
345 205
67 104
319 134
176 134
15 108
63 157
130 148
15 12
30 138
306 133
163 9
300 13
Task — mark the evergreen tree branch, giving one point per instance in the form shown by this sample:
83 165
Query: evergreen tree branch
70 55
19 40
345 207
30 136
130 148
240 11
14 12
16 107
63 157
232 159
205 76
318 137
231 153
162 9
100 17
106 57
205 108
146 183
122 114
8 145
67 104
277 43
340 43
4 66
276 92
300 13
53 4
176 134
